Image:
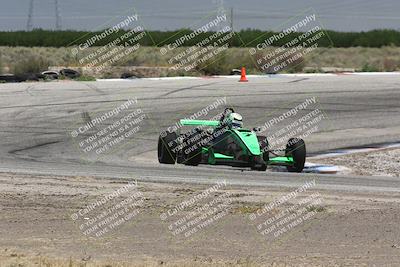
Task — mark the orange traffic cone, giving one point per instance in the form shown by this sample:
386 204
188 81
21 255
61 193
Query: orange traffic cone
243 76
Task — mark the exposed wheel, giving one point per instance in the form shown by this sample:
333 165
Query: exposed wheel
69 73
262 140
8 78
166 144
258 164
192 151
50 75
297 149
194 158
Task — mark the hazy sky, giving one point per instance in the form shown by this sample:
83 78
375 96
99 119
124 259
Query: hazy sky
342 15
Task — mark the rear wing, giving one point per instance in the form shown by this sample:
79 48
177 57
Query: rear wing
199 123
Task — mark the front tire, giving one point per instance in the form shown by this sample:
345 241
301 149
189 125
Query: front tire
263 142
297 149
258 164
166 145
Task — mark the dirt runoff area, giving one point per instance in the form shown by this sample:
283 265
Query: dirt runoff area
385 162
86 221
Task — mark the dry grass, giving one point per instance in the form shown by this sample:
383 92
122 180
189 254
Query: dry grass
30 64
20 260
358 58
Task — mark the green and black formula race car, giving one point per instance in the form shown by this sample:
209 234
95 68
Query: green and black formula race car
225 142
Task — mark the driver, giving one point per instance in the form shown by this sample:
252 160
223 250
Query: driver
234 121
225 143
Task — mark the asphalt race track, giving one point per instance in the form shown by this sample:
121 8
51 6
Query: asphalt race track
37 120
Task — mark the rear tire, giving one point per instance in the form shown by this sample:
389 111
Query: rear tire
166 144
297 149
263 142
194 156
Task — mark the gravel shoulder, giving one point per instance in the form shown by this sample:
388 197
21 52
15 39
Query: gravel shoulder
37 226
374 163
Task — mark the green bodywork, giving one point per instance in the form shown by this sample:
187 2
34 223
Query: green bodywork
213 156
249 139
246 139
281 161
199 123
222 156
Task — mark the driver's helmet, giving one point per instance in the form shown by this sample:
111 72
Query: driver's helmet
235 120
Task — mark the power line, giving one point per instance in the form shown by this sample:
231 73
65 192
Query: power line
58 17
232 19
220 11
29 24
